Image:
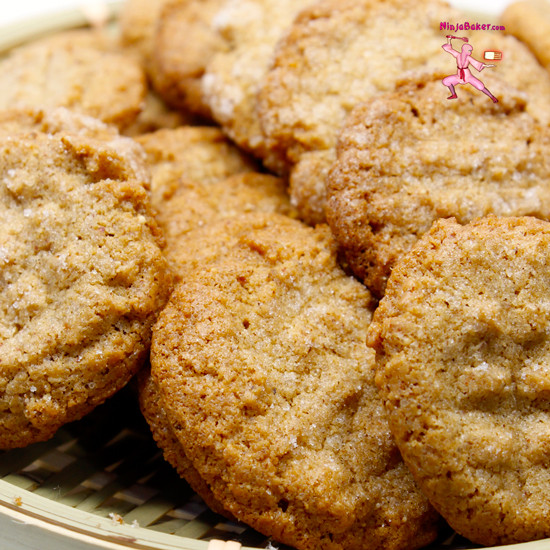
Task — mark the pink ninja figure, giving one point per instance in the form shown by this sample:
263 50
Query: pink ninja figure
464 76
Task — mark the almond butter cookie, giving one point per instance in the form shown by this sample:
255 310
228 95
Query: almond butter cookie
81 269
261 363
462 356
152 408
342 52
410 157
76 71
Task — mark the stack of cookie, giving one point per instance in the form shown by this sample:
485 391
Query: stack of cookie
330 280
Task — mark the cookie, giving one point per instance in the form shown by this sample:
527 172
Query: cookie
529 20
190 153
184 42
78 73
151 406
249 31
196 205
156 115
330 59
261 362
410 157
340 53
137 22
81 267
461 340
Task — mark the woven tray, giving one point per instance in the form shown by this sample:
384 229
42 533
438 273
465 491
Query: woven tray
101 482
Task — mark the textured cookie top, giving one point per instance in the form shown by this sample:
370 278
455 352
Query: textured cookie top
196 205
152 408
529 20
337 53
462 353
183 44
248 31
80 74
261 361
410 157
341 52
81 271
191 153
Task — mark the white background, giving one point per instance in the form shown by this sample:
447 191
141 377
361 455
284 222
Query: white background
12 11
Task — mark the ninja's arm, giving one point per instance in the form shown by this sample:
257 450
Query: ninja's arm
448 48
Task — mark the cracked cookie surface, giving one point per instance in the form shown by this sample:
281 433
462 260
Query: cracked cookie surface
260 358
462 354
81 269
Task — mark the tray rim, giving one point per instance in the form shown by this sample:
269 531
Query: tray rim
54 522
18 32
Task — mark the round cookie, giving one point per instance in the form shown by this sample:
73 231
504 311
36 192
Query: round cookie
195 205
198 154
337 53
81 270
77 71
138 20
261 362
152 408
462 354
248 31
183 44
410 157
529 21
342 52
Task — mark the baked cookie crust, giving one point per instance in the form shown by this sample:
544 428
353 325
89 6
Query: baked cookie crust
260 359
81 269
462 347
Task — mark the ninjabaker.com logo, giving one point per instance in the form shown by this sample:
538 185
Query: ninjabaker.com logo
446 26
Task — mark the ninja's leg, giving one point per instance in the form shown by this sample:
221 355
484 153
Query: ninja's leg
453 93
488 93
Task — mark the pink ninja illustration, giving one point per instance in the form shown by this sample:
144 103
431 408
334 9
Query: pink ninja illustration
464 76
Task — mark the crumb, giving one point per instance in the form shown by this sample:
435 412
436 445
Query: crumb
116 518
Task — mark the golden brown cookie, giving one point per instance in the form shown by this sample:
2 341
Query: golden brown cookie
190 153
184 42
152 408
341 52
261 362
156 115
529 20
196 205
81 270
77 71
410 157
248 31
138 21
336 54
462 354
